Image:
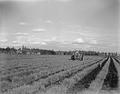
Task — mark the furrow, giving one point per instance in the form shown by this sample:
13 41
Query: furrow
84 83
111 80
117 60
118 69
50 78
67 74
96 85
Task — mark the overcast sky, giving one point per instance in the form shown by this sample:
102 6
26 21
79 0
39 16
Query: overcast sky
60 24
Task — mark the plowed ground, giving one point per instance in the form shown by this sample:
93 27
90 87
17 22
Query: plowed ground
59 75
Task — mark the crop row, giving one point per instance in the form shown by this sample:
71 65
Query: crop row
60 76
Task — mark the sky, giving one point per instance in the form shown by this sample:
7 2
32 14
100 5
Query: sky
60 24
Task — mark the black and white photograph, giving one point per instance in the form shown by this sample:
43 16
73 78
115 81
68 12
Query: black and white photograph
59 47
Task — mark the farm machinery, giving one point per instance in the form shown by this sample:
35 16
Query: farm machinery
77 56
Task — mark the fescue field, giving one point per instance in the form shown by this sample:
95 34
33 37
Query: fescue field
57 74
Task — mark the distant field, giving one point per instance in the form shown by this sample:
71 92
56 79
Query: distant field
42 61
52 74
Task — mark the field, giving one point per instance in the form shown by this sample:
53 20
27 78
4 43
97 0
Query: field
57 74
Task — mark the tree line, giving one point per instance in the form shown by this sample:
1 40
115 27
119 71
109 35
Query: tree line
25 50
